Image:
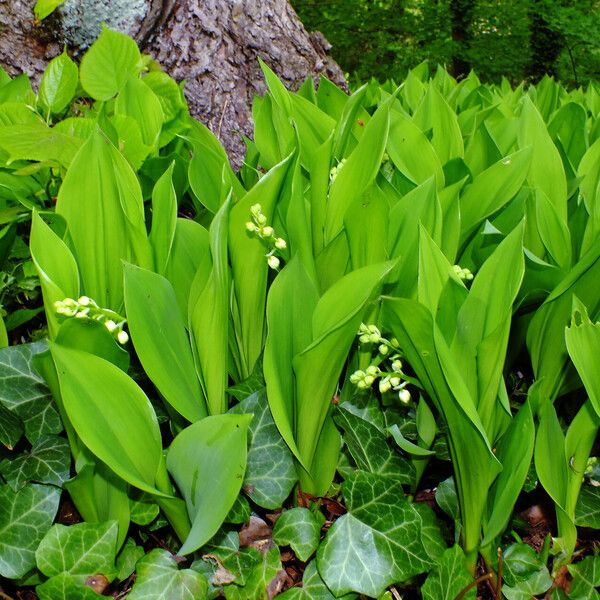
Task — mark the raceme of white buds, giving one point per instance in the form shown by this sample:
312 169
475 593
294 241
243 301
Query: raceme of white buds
86 308
464 274
258 226
335 170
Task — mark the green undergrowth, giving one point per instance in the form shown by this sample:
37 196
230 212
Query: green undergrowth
362 366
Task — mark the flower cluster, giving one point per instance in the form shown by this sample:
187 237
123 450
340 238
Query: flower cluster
335 170
86 308
258 226
388 350
464 274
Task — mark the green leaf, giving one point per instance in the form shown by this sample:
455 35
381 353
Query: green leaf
160 338
159 578
407 445
525 575
431 531
11 427
370 449
587 511
446 498
127 559
101 200
25 517
111 415
586 579
81 549
449 577
24 393
259 580
164 219
208 460
270 473
48 462
313 587
67 587
43 8
300 529
143 509
59 83
377 543
108 64
240 511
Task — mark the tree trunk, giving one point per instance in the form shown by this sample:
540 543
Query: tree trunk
462 17
212 44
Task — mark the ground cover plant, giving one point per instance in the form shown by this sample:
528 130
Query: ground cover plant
362 366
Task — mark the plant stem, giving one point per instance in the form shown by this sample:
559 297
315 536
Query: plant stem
473 583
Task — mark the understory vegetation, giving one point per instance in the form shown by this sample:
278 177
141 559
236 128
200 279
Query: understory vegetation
364 366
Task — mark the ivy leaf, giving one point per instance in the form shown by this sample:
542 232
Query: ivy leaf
270 473
300 529
240 511
431 532
49 462
586 578
25 517
525 575
142 509
370 450
367 408
261 581
127 559
67 587
587 511
449 577
11 428
313 587
82 549
159 578
24 392
377 543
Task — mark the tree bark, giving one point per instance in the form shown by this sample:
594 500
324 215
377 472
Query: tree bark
213 44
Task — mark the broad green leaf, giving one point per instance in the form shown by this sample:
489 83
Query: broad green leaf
43 8
432 531
11 427
300 529
587 512
259 580
59 83
160 578
411 151
313 587
209 317
108 64
586 579
449 577
492 189
240 511
143 509
290 305
553 231
81 549
370 450
377 543
446 498
128 557
249 265
583 344
270 473
101 200
138 101
48 462
128 138
25 517
66 587
111 415
160 338
406 445
24 392
525 575
208 460
358 173
514 451
164 219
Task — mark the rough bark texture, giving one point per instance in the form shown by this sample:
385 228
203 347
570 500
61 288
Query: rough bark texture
212 44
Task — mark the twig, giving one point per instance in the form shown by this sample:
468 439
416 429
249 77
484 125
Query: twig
395 593
499 582
473 583
222 115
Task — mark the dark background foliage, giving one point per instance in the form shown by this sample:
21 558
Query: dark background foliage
518 39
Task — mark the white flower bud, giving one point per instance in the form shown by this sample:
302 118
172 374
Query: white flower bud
255 209
110 325
372 370
362 385
357 376
363 328
82 314
83 301
261 219
58 305
404 396
395 381
365 338
383 349
280 244
267 231
251 227
375 338
273 262
369 379
384 386
395 343
397 366
122 337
